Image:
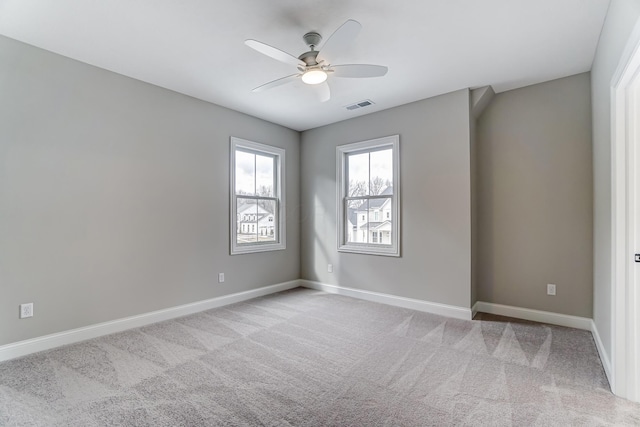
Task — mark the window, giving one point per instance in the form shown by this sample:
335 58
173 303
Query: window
368 183
257 197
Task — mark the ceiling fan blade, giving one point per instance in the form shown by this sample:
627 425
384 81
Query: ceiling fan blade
342 37
323 92
359 70
276 83
274 53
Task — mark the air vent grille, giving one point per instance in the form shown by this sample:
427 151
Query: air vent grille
360 104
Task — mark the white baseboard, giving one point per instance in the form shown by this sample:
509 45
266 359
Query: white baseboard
534 315
414 304
604 357
474 310
22 348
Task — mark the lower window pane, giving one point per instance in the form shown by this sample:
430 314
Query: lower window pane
369 221
257 221
247 211
266 226
357 221
379 226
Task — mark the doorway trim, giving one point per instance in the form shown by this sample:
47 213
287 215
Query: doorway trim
625 298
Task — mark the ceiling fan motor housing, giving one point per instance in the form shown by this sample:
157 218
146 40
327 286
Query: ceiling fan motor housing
312 39
309 58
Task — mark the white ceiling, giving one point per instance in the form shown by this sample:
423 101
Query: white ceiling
431 47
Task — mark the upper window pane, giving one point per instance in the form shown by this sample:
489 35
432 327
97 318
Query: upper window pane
358 173
245 173
255 174
370 173
264 176
381 171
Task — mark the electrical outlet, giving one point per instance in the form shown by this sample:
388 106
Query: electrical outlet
551 289
26 310
220 277
330 268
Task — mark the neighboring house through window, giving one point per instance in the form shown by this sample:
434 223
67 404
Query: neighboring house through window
257 197
369 197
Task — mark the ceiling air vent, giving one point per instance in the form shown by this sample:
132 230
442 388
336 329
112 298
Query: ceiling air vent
360 104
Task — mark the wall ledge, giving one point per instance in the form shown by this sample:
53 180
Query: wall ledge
46 342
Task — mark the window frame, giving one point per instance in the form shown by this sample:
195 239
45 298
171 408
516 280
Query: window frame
279 192
342 182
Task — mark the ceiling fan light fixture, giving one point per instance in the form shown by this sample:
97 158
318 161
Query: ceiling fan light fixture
314 77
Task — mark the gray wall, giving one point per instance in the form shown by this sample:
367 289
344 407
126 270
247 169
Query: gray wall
436 238
621 18
114 196
535 197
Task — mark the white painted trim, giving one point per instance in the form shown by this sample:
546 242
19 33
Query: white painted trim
625 313
534 315
474 309
23 348
604 358
413 304
280 191
392 249
553 319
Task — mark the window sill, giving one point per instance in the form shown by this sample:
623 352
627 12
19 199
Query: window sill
382 250
249 249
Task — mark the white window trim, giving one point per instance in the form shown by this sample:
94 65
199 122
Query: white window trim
279 191
393 249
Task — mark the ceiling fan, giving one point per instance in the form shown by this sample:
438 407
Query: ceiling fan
314 66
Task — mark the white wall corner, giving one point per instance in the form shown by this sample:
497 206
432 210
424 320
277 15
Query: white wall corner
34 345
474 309
604 357
397 301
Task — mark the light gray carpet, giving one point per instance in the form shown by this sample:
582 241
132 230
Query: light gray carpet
306 358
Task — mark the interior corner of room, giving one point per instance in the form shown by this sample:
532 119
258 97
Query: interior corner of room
114 202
